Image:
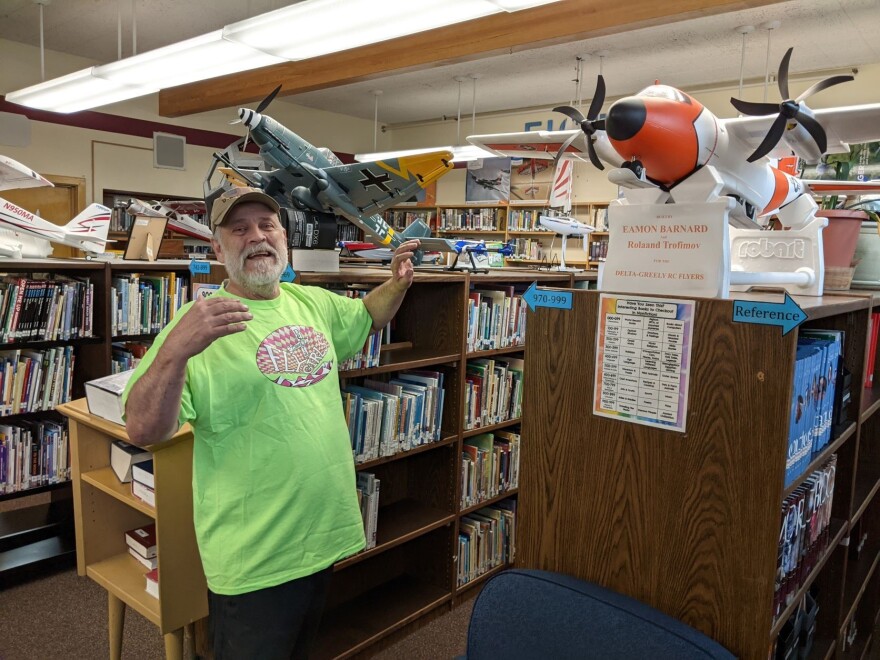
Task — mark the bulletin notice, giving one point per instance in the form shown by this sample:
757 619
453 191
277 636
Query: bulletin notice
643 349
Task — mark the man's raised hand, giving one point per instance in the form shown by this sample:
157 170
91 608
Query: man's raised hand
206 321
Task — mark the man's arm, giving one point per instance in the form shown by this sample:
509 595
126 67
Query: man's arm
153 405
383 302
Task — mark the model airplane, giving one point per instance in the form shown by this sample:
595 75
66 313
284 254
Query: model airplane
313 179
566 226
26 235
677 160
178 221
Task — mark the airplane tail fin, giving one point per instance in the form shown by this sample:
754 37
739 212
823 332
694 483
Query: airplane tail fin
417 229
88 230
560 192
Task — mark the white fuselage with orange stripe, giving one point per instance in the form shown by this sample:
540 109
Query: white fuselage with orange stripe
673 136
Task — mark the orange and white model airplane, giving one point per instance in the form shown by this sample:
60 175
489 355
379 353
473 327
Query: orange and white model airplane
666 148
26 235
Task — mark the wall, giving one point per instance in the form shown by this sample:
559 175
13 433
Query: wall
121 162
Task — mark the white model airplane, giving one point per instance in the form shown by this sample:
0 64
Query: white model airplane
178 221
566 226
667 148
26 235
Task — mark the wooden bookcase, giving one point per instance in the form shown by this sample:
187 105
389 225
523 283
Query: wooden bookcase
105 509
37 533
689 523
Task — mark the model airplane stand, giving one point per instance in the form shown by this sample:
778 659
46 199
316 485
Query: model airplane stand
662 241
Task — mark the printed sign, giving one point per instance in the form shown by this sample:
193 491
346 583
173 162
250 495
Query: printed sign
536 297
643 350
197 267
787 314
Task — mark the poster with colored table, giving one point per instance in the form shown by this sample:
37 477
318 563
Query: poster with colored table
643 360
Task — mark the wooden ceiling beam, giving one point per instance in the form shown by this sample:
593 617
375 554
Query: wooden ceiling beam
562 22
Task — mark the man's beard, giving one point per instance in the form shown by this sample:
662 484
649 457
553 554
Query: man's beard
261 276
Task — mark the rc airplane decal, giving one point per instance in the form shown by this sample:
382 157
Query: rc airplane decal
27 235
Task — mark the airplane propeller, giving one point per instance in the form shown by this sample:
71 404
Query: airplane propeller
790 109
589 124
262 106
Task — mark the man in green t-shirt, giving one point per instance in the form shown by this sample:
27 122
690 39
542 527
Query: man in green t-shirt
253 368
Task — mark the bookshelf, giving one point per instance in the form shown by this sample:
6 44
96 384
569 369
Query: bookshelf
689 523
105 509
36 516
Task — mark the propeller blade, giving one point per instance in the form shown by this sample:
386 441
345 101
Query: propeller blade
770 140
814 128
246 138
594 159
754 109
782 76
266 101
571 113
565 145
235 121
598 99
824 84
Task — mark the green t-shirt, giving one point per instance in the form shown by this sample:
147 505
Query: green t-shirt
274 495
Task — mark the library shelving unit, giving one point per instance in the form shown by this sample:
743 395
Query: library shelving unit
689 522
105 509
37 533
412 570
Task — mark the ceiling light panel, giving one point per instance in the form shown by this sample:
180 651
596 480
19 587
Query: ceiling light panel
76 91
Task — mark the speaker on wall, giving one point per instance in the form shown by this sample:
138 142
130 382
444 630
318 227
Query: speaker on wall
169 151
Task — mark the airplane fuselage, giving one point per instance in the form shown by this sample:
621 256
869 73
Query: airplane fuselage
87 231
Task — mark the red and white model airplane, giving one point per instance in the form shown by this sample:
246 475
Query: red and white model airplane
26 235
666 141
179 221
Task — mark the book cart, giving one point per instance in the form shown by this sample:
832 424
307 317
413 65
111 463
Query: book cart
689 523
38 533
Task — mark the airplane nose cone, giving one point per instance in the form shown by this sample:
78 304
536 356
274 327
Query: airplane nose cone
248 117
625 118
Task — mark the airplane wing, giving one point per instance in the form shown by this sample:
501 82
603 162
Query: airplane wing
374 186
14 175
532 144
843 126
832 187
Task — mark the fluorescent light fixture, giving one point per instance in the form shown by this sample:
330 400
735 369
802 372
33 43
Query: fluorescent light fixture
318 27
76 91
200 58
459 154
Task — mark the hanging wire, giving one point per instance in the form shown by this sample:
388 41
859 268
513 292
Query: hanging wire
459 80
134 29
376 94
474 106
42 47
118 29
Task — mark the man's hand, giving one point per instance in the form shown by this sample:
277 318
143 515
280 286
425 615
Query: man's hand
401 265
206 321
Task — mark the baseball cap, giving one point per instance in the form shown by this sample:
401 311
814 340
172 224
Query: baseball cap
239 195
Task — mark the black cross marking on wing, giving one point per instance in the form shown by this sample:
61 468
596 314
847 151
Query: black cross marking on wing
371 179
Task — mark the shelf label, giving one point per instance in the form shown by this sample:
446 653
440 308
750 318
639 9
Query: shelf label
787 314
288 275
536 297
199 267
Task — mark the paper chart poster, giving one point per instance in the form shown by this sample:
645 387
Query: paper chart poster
643 356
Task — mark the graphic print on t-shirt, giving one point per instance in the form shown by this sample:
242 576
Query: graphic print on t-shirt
294 356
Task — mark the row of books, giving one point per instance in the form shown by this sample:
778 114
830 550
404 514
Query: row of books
126 355
59 308
368 498
817 365
401 219
599 250
496 318
485 219
486 540
524 220
144 304
795 640
387 417
528 248
33 454
142 545
804 532
493 391
489 466
873 331
35 380
368 356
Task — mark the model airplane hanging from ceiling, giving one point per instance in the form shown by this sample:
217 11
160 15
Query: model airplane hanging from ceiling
662 136
26 235
302 176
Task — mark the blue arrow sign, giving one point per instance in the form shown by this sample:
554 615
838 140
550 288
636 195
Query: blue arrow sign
288 275
787 314
199 267
536 297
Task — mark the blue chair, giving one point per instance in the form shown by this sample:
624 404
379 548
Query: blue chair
530 615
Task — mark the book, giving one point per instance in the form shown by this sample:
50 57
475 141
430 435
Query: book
143 473
143 493
152 579
142 540
104 396
124 456
149 562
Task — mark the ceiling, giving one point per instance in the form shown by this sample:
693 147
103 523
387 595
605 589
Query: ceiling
828 34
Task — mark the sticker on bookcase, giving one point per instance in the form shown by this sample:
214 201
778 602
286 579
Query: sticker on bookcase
197 267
